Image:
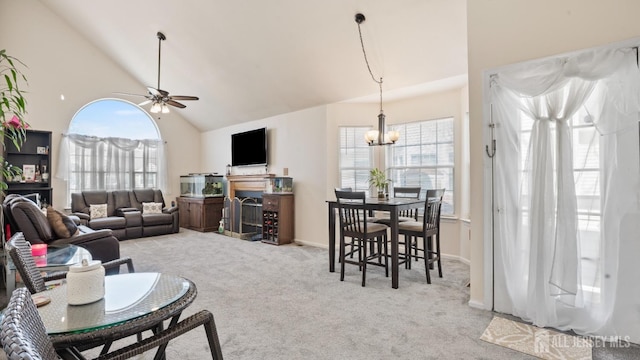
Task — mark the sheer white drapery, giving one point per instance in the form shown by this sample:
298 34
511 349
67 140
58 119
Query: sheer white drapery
112 163
537 223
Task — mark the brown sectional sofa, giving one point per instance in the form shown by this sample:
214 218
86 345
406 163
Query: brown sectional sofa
23 215
125 215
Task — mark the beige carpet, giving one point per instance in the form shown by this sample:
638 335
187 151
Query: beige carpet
539 342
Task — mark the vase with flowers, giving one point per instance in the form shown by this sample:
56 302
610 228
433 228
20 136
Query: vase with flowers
12 112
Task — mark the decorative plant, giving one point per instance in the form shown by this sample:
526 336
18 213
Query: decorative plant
378 179
12 112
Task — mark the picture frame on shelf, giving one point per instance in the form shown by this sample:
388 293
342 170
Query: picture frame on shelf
43 150
28 172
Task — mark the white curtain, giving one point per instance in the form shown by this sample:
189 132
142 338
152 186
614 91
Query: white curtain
110 163
548 278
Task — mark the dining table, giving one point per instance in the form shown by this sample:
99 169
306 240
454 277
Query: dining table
132 303
391 205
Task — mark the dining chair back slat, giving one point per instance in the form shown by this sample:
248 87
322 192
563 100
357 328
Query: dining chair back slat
363 234
428 230
408 192
403 215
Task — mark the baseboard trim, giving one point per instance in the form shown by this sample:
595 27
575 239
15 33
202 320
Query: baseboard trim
477 305
326 246
456 257
310 243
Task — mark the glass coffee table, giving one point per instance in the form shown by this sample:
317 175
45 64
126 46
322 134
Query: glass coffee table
59 257
132 303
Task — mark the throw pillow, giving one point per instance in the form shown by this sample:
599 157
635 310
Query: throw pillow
151 208
97 211
61 224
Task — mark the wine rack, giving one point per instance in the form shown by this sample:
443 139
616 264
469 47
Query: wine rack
277 218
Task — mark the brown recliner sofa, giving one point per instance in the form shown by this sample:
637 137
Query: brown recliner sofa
24 215
125 215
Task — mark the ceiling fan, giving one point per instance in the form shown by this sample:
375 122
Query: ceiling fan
158 98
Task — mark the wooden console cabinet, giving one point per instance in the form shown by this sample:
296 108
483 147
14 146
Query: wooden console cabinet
200 213
277 218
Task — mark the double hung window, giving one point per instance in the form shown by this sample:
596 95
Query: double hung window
356 158
424 156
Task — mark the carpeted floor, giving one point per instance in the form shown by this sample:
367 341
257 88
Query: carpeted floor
281 302
274 302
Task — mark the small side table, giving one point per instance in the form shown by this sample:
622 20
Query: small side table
58 258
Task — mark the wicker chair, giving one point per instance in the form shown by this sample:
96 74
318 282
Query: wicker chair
24 336
34 280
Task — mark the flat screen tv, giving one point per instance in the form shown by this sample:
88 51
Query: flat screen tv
249 148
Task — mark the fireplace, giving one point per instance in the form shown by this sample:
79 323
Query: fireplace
242 212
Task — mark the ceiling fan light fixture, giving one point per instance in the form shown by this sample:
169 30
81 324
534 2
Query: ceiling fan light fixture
155 108
159 99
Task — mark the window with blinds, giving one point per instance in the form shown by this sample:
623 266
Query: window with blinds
424 156
356 158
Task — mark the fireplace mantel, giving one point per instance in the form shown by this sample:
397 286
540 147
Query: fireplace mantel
254 182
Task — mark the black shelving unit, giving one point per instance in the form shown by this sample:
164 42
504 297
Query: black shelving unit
36 150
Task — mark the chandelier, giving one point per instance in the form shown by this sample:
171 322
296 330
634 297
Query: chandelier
376 137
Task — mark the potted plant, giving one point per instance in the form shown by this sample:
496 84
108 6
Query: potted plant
378 179
12 112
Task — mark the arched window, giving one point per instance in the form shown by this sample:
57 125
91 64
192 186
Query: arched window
112 144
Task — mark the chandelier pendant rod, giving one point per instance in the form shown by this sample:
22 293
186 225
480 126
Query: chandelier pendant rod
392 135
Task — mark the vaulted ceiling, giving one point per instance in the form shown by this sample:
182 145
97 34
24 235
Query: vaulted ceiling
251 59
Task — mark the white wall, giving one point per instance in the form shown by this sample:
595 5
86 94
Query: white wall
296 141
502 32
306 142
60 61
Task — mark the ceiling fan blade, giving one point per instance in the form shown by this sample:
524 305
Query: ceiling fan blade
161 97
183 97
157 92
127 94
176 104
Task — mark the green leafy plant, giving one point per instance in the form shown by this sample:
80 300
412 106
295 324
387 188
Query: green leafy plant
12 112
378 179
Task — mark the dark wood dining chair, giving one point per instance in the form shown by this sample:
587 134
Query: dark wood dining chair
24 336
404 215
353 250
34 280
428 230
343 189
362 233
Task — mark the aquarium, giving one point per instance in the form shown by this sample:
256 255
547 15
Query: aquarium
202 185
279 185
